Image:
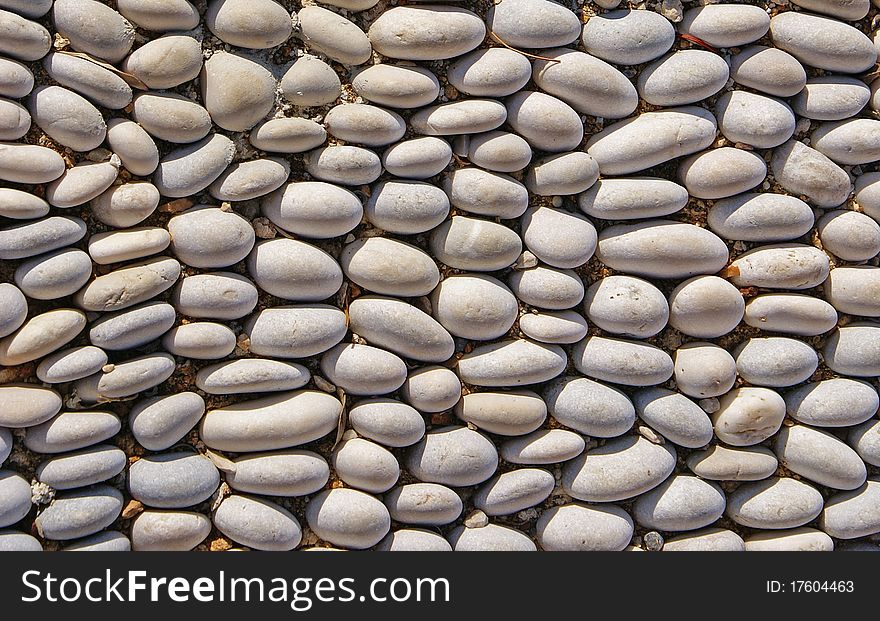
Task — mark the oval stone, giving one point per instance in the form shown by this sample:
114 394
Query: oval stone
511 363
762 217
680 503
628 37
780 266
589 407
748 416
295 331
822 42
425 504
820 457
471 244
774 503
71 364
542 447
80 513
426 32
218 295
621 361
281 473
158 423
257 523
584 528
675 417
514 491
248 375
348 518
834 402
69 431
168 531
721 463
388 422
454 456
512 413
363 370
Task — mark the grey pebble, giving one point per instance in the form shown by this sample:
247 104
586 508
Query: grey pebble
708 540
674 416
795 540
173 480
209 237
22 38
127 204
775 361
137 151
722 463
364 124
547 123
94 82
12 541
19 205
257 523
40 335
192 168
54 275
256 25
769 70
365 465
201 340
589 407
417 158
839 48
334 36
343 164
514 491
620 469
168 531
67 117
249 375
748 416
852 514
278 421
511 363
313 209
363 370
423 504
348 518
547 287
725 25
433 32
397 86
511 413
453 456
820 457
542 447
853 349
578 527
865 440
82 183
491 72
683 77
472 244
400 328
780 266
628 37
833 402
680 503
774 503
490 538
632 198
288 135
703 370
29 239
291 269
16 79
760 217
80 513
15 497
129 285
81 468
280 473
831 98
310 82
406 207
135 243
27 163
127 378
93 28
238 92
132 328
622 361
413 540
849 235
158 423
559 327
625 305
295 331
166 62
486 193
70 431
171 117
105 541
216 295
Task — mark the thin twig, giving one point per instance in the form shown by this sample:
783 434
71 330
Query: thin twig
498 39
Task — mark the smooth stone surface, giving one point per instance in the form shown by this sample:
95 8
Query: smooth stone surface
794 540
346 165
490 538
454 456
136 243
854 141
313 209
363 370
852 290
15 497
158 423
683 77
287 135
628 37
67 117
431 389
417 158
310 82
486 193
5 444
53 275
12 541
511 363
423 504
514 491
238 92
13 309
589 85
622 468
720 173
80 513
364 124
627 306
365 465
348 518
621 361
849 235
236 377
127 204
831 98
281 473
413 540
780 266
834 402
675 417
292 269
129 285
105 541
547 123
89 79
512 413
80 184
632 198
559 238
127 378
471 244
748 416
19 205
26 163
269 423
136 149
820 457
651 138
401 328
474 306
217 295
542 447
388 422
132 328
93 28
426 32
201 340
703 370
295 331
775 361
397 86
822 42
661 249
70 431
708 540
852 514
560 327
562 174
190 169
760 217
166 62
257 523
244 23
725 25
22 38
546 287
16 80
583 528
171 117
589 407
533 23
168 531
29 239
389 267
680 503
334 36
853 349
173 480
15 120
82 468
406 207
721 463
468 116
209 237
775 503
499 151
491 72
755 120
769 70
41 335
